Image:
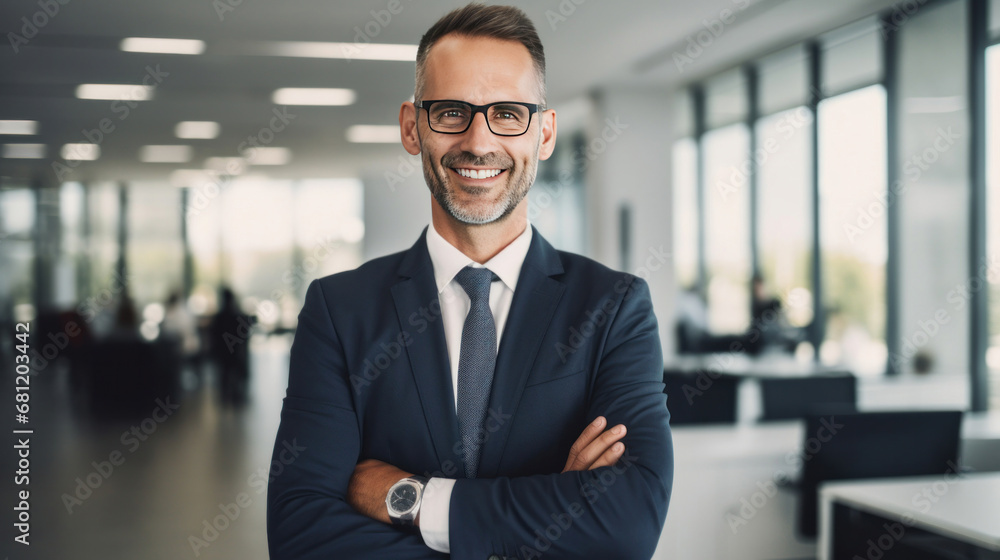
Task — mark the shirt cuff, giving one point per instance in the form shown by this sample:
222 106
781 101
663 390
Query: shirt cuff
434 508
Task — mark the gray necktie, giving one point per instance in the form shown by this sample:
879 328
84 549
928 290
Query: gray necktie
476 362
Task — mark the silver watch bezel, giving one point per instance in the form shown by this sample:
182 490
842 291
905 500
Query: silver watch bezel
408 516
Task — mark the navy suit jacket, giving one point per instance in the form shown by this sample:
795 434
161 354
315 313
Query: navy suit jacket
370 378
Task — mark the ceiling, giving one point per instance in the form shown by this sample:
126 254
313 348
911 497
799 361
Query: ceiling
589 44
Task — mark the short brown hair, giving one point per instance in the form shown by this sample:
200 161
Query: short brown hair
506 23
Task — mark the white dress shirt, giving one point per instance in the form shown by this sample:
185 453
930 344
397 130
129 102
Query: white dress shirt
455 303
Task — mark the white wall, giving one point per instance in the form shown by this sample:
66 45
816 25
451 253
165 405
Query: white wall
397 205
630 138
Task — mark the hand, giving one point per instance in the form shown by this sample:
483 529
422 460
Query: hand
369 486
594 449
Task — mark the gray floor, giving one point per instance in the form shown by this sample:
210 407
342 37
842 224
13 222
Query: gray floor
165 488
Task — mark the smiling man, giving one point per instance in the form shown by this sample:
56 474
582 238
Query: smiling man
480 395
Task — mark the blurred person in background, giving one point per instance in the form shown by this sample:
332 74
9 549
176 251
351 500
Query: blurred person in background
230 332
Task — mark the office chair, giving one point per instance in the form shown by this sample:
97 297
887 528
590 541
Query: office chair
706 401
798 397
873 445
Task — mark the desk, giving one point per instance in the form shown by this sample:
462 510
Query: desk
947 516
716 466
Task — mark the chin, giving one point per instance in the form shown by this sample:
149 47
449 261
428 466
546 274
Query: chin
478 219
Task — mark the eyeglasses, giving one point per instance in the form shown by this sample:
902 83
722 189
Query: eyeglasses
504 118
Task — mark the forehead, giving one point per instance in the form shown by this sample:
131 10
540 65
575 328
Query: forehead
480 70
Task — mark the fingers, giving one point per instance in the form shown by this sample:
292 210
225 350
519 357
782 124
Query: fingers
604 444
589 434
600 451
609 457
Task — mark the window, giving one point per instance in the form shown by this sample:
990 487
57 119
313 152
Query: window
726 196
258 232
267 239
72 262
784 220
853 238
933 210
155 254
17 252
727 228
328 235
993 209
103 208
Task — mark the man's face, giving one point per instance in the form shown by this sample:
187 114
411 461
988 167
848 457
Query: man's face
479 71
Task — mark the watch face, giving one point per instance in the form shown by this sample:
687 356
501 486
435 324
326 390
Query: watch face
403 498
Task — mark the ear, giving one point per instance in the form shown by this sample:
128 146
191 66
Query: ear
547 119
408 128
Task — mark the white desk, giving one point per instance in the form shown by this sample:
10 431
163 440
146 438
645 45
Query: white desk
716 466
967 508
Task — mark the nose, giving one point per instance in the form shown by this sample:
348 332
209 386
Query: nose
478 139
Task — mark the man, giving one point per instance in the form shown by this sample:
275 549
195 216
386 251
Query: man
470 396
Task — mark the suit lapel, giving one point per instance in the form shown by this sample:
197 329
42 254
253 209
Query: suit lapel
428 353
535 299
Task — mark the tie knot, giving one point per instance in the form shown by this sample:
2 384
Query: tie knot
476 282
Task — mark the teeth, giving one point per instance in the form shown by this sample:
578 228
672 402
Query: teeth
479 173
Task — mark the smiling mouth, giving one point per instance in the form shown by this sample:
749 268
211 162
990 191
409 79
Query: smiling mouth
469 173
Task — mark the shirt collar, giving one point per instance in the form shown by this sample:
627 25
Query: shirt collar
448 260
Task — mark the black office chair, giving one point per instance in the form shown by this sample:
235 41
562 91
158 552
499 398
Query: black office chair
798 397
700 398
128 375
874 445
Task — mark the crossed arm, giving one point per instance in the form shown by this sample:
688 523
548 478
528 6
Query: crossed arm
611 502
372 478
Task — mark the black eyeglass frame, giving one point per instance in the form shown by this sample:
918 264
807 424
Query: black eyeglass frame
426 104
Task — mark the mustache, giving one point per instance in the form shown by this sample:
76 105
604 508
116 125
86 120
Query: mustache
493 159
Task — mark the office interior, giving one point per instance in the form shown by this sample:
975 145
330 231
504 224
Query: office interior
811 190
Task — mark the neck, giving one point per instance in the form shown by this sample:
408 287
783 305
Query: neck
480 242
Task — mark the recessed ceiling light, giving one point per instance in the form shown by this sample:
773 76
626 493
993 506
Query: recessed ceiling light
359 51
80 152
131 92
197 129
165 154
267 156
313 96
24 151
19 127
164 46
373 133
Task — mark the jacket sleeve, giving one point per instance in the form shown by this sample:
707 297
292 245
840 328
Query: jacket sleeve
315 452
610 512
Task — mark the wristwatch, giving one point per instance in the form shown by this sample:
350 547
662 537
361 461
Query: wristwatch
403 500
